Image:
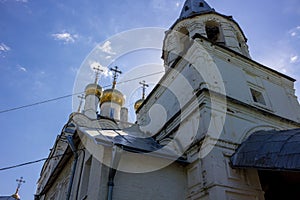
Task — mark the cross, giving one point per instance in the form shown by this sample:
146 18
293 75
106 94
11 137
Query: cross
20 181
81 101
115 75
144 86
97 73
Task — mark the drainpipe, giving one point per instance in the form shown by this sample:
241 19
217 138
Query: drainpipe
73 148
115 159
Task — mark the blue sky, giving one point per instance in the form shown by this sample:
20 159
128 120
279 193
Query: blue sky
44 42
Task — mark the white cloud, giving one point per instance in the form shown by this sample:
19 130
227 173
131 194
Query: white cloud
295 32
65 36
21 68
104 70
106 48
4 48
294 59
74 70
177 4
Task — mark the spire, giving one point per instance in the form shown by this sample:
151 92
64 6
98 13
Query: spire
97 73
93 94
139 102
112 99
194 7
113 95
116 73
144 86
20 181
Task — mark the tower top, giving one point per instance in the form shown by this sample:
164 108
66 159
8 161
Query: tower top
97 73
144 86
16 194
194 7
140 101
116 72
113 95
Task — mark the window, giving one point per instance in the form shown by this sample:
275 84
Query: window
184 38
257 96
85 178
112 113
186 8
213 32
201 4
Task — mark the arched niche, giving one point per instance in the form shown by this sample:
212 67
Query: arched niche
214 32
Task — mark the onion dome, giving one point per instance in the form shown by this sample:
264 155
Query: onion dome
93 89
138 103
114 96
16 195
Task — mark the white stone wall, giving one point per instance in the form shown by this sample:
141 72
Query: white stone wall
108 108
166 183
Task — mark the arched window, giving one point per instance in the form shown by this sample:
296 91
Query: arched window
214 33
184 38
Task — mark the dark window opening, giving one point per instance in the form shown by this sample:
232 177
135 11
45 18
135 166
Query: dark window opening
257 96
186 8
279 185
201 4
213 33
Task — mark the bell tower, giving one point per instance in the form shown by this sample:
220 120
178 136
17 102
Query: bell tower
199 20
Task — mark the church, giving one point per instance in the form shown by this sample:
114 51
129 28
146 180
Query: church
218 125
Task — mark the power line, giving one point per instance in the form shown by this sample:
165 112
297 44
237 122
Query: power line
70 95
38 103
35 161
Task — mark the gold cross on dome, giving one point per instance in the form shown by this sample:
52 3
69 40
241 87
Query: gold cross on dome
116 72
97 73
20 181
144 86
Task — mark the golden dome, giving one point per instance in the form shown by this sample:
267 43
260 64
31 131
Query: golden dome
138 104
93 89
16 195
112 95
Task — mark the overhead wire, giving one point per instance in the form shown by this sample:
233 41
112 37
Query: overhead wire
70 95
35 161
55 99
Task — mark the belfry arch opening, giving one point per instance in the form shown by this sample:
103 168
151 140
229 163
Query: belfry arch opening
184 38
214 33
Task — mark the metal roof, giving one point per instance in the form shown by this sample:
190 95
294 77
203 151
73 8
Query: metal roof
136 143
194 7
274 150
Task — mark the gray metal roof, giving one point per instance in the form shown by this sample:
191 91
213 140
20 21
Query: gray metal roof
194 7
275 150
136 143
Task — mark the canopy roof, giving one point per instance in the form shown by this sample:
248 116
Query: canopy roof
274 150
